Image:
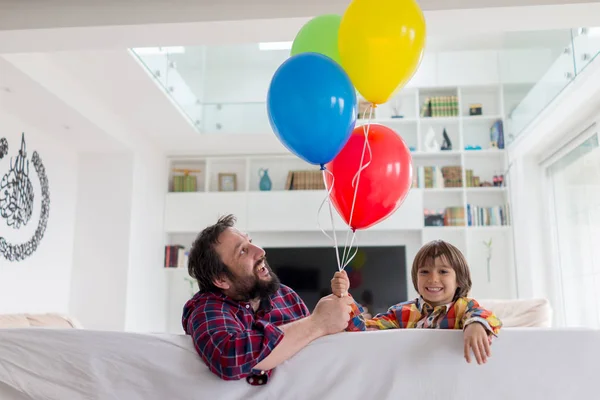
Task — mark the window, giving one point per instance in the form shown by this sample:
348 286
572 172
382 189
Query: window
574 183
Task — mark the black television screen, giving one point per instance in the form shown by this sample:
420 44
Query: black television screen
377 273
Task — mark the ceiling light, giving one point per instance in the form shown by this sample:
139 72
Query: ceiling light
160 50
275 46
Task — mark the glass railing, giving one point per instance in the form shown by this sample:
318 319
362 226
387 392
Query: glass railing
223 89
236 118
586 44
162 64
545 62
570 51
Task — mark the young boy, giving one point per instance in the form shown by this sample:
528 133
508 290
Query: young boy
441 276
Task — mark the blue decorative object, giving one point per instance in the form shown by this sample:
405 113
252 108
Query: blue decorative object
312 107
265 181
497 135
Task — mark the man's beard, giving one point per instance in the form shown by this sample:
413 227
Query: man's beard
252 287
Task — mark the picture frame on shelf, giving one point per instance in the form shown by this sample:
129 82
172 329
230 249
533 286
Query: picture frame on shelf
227 182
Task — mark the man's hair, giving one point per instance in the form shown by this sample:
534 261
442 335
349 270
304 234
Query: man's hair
438 248
205 264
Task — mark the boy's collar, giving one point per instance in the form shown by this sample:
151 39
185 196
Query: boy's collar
424 306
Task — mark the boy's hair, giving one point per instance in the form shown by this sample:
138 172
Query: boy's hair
438 248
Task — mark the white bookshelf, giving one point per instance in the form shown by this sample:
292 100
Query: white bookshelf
289 214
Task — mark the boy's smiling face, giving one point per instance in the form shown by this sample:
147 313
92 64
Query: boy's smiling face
436 282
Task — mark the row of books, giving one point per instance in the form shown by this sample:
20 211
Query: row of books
488 216
176 256
449 216
440 106
436 177
305 180
185 183
475 216
472 181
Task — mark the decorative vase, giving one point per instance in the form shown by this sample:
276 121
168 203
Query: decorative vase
265 181
431 145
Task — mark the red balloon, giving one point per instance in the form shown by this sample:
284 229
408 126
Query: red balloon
355 278
383 184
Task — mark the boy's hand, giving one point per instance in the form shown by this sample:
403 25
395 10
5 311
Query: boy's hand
340 284
476 339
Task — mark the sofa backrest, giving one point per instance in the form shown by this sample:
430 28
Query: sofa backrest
48 320
533 313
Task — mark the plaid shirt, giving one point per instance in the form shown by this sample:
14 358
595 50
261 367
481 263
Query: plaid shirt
419 314
231 338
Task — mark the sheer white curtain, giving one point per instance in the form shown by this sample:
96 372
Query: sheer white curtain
574 183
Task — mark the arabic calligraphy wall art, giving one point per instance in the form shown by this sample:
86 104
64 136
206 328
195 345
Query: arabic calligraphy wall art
17 199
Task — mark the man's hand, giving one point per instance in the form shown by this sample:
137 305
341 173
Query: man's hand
476 339
332 314
340 284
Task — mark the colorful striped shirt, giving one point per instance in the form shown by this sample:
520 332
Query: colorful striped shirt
419 314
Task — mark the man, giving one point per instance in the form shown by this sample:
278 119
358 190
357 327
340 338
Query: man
243 321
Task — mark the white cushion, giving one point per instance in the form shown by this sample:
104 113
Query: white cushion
521 312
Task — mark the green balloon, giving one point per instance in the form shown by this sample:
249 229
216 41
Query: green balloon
319 35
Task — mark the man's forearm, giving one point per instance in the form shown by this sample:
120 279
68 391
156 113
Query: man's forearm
297 335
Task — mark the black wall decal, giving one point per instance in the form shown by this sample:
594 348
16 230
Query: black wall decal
16 191
16 202
3 148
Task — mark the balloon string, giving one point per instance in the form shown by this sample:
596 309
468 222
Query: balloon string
357 178
367 146
327 199
351 257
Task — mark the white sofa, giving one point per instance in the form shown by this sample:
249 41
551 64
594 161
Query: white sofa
46 320
522 313
527 363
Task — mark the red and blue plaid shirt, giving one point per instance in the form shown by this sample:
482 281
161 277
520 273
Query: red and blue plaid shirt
231 338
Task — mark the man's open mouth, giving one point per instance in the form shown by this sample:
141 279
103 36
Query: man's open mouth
261 268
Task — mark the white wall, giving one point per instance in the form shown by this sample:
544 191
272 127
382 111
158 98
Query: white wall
572 111
118 277
101 253
119 242
146 280
40 283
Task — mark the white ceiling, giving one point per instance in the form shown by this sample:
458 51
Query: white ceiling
24 14
26 99
473 22
104 95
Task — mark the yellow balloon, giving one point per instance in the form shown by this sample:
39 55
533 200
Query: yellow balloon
359 260
381 45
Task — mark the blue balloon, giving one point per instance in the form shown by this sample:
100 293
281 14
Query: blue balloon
312 107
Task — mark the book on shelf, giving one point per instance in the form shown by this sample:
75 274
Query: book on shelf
454 216
435 177
187 182
449 216
472 180
184 183
176 256
305 180
440 106
488 216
